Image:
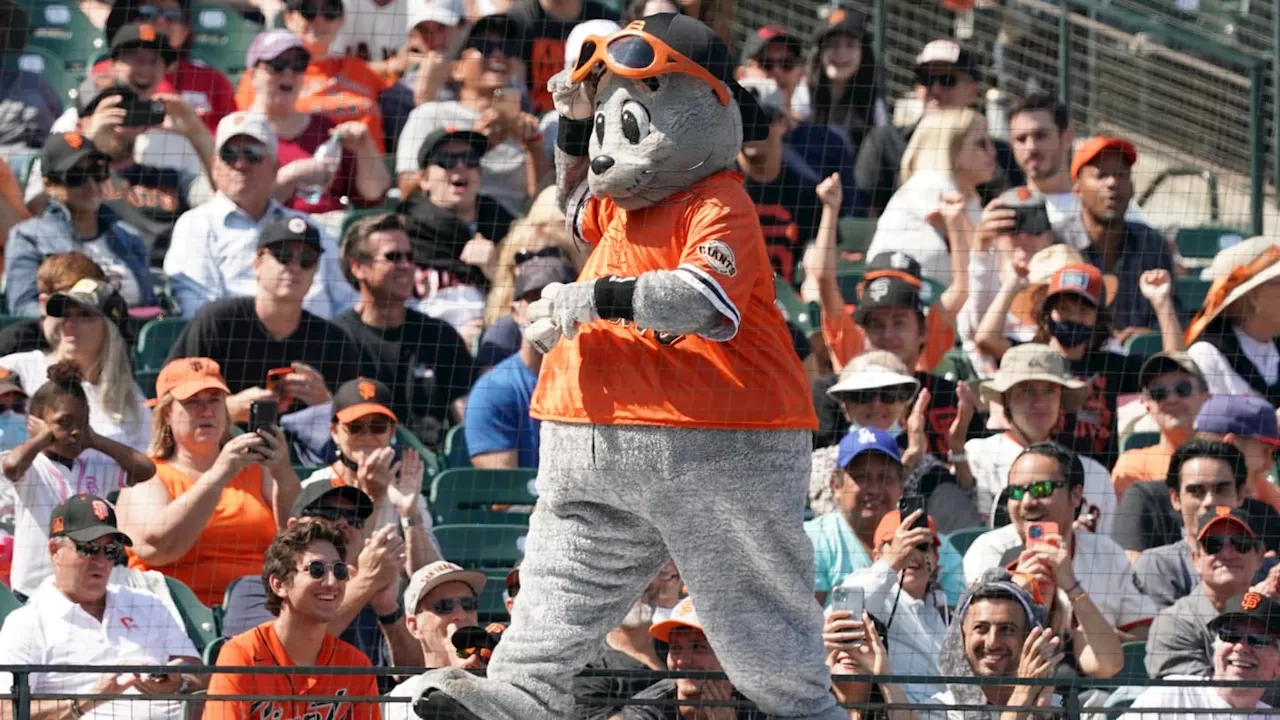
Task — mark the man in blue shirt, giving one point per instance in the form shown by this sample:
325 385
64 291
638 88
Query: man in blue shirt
500 433
866 488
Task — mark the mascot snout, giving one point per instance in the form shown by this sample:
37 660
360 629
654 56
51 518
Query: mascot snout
601 164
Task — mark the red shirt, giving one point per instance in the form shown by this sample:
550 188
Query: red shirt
204 88
344 183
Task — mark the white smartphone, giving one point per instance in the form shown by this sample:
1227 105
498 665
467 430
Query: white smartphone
851 599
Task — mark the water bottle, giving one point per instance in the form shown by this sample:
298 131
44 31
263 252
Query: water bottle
330 153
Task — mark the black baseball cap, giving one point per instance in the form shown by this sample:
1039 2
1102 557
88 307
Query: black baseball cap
63 151
841 21
286 229
85 518
143 35
95 296
892 281
124 12
541 272
1250 606
498 24
478 142
757 41
362 396
313 492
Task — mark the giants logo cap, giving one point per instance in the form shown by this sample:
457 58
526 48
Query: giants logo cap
84 518
360 397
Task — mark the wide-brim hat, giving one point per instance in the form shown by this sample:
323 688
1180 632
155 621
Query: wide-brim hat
1235 272
1030 362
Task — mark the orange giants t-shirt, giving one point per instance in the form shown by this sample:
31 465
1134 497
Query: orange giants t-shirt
744 375
261 646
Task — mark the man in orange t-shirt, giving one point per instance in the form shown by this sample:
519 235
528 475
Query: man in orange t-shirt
306 580
1173 391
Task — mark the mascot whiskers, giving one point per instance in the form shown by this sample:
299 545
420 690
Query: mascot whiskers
675 413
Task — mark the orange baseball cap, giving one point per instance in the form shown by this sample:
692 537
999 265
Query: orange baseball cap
1098 144
185 377
1080 279
889 525
682 616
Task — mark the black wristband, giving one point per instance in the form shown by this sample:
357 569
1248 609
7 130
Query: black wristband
392 617
613 298
574 136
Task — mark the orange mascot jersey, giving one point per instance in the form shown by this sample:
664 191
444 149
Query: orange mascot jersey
613 373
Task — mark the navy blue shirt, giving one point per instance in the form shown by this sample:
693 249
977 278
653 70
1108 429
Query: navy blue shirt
1144 249
498 412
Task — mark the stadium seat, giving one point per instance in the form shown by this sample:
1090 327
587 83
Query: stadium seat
64 30
1134 671
7 320
962 539
430 461
210 653
196 616
804 315
1205 242
471 495
65 83
849 277
955 366
220 36
1190 292
1144 345
355 214
482 546
492 607
154 342
1134 441
855 234
8 602
455 448
146 380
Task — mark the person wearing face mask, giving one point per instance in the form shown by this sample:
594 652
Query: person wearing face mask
13 411
1075 321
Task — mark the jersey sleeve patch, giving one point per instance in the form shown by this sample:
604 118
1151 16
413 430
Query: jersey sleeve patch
719 257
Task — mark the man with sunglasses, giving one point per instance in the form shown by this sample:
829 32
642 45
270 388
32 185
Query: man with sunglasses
1243 644
214 255
79 618
1173 391
771 52
946 76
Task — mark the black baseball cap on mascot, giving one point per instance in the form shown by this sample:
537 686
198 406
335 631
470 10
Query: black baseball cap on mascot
692 39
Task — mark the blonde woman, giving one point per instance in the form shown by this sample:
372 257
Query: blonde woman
949 156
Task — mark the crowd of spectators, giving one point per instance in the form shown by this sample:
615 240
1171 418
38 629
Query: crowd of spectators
354 230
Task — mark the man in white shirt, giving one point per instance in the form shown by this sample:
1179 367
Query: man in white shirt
1246 648
78 619
1046 486
214 245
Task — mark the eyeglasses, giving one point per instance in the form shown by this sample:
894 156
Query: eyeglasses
379 425
636 55
395 257
307 257
80 175
1182 389
449 159
333 514
887 395
113 551
785 64
330 11
1039 490
252 154
949 80
317 570
151 13
296 62
1215 544
1232 636
444 606
487 46
524 256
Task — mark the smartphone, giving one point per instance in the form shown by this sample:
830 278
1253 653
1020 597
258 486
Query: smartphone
263 415
1038 531
143 113
911 503
853 600
274 377
1029 212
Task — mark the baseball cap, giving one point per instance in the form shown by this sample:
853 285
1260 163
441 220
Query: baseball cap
682 616
866 439
479 143
1223 515
185 377
946 52
870 371
84 518
1167 362
9 382
841 21
579 34
314 492
1096 146
888 525
498 24
445 12
63 151
248 124
887 292
145 36
479 640
1251 606
1080 279
362 396
430 577
286 229
1242 415
757 41
271 45
95 296
541 272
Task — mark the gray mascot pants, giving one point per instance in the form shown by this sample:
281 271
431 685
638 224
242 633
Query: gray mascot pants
614 503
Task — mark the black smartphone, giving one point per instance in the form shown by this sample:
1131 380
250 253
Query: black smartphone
143 113
263 415
911 503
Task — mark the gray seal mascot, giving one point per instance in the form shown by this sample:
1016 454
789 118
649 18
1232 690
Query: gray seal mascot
676 416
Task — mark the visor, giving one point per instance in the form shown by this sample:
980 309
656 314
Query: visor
635 55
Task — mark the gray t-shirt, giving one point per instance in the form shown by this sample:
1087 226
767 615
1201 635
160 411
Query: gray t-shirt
1165 573
1179 642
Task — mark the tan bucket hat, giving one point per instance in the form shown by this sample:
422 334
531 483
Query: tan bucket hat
1030 362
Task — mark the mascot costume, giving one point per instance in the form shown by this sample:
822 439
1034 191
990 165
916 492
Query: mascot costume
675 413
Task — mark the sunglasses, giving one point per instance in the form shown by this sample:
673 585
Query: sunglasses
786 64
80 175
330 12
307 257
379 425
524 256
931 79
296 62
449 159
252 154
113 551
1214 544
151 13
487 47
887 395
1182 389
353 521
317 570
1232 636
395 257
637 55
1039 490
444 606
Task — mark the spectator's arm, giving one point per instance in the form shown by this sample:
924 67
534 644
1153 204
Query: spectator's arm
134 254
1157 287
136 466
501 460
1096 643
989 337
961 236
165 528
16 463
372 177
21 261
869 169
231 655
12 209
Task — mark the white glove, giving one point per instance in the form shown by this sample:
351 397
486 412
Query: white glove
566 306
575 101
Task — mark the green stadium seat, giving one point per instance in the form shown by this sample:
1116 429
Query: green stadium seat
355 214
154 342
482 546
431 463
492 605
220 36
8 602
455 448
197 618
1190 292
961 540
22 160
7 320
304 471
1205 242
472 495
855 234
64 30
1135 441
804 315
210 653
146 380
849 277
1134 671
64 82
1144 345
955 366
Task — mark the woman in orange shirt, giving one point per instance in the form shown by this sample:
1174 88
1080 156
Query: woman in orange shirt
216 501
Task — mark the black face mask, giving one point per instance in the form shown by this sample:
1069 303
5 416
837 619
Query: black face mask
1070 333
